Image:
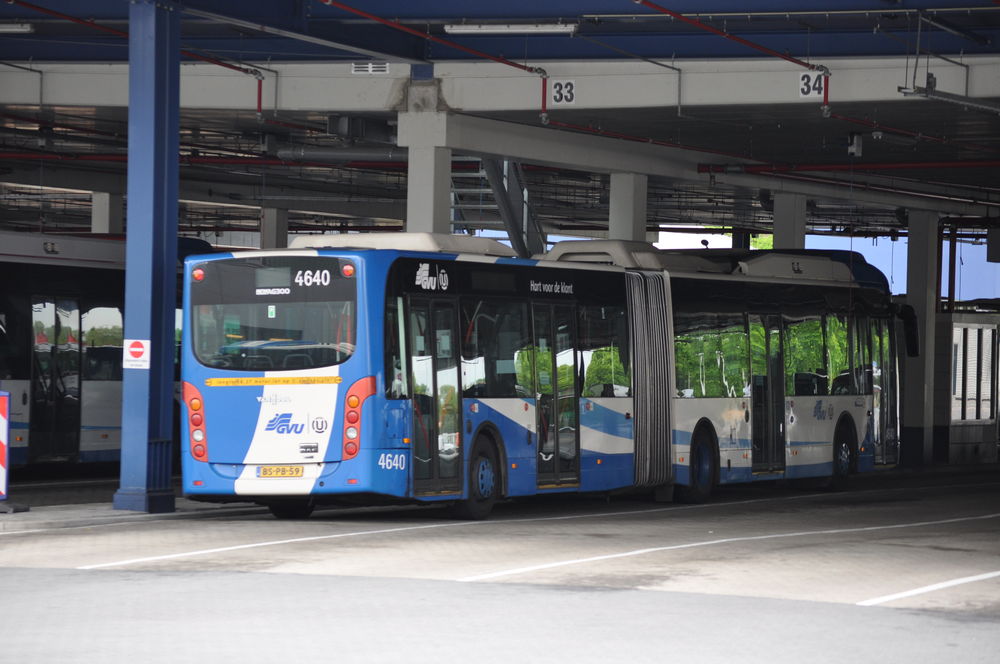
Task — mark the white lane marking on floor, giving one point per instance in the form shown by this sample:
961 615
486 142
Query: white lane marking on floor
23 532
588 515
455 524
929 589
728 540
257 545
804 496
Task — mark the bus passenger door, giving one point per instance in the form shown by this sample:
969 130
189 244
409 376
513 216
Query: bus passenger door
767 393
434 348
558 452
55 380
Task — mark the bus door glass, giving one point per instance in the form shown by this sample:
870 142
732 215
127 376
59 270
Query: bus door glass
767 393
436 414
883 392
55 379
556 389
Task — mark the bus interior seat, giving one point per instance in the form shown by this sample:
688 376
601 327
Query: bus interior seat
257 362
297 361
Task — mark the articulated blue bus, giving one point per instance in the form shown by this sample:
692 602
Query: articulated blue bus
436 368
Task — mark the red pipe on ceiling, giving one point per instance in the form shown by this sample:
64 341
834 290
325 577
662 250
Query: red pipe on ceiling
607 133
121 33
722 33
220 161
830 168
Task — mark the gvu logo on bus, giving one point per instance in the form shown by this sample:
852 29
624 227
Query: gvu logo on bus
282 423
428 282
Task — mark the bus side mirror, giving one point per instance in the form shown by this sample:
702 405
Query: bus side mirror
911 333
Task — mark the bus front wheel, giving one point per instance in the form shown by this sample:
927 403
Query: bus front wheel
483 483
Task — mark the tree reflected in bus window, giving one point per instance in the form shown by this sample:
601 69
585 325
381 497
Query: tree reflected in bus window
603 346
102 343
495 336
805 373
838 367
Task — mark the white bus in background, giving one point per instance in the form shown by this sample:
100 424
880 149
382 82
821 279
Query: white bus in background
61 332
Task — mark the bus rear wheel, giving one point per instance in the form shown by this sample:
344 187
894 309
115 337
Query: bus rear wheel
842 459
702 471
483 483
291 509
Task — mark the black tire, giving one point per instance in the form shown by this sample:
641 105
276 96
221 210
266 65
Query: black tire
483 483
843 459
703 463
292 509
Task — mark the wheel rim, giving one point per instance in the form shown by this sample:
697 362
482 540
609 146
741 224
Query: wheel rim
843 458
485 477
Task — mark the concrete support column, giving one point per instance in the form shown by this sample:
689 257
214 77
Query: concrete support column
627 207
789 221
107 213
424 129
273 228
917 439
428 190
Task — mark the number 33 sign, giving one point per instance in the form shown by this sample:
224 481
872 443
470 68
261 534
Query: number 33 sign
562 92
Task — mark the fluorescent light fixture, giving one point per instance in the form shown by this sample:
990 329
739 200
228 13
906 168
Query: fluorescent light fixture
510 28
16 28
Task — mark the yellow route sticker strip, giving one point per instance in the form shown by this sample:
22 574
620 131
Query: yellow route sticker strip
272 380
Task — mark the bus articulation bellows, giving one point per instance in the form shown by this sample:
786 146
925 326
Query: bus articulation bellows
439 368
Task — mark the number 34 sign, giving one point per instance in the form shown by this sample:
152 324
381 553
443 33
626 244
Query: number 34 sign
811 84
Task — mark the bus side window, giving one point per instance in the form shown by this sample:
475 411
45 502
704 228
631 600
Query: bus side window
493 334
14 361
698 355
603 349
837 355
395 349
804 375
6 348
102 343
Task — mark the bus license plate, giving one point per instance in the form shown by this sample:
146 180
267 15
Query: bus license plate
279 471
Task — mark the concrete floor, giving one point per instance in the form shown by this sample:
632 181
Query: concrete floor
904 566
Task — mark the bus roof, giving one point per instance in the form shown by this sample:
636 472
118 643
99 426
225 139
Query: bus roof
793 264
73 251
101 251
426 242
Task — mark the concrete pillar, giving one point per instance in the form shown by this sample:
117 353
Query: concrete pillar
917 439
107 213
789 221
428 190
423 128
627 207
273 228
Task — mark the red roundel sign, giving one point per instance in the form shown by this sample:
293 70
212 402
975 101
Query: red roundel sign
135 354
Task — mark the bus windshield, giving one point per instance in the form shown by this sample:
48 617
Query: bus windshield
273 313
